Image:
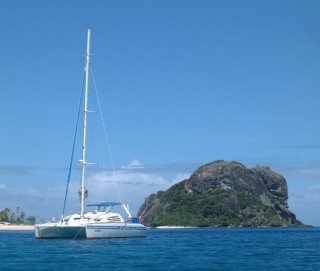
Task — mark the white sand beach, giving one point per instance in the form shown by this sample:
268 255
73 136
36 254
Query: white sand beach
9 227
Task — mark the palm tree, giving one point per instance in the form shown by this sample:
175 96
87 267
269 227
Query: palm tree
7 212
22 215
12 218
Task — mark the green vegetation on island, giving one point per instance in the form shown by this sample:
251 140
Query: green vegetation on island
222 194
7 216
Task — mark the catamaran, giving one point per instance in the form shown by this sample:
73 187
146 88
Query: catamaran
102 222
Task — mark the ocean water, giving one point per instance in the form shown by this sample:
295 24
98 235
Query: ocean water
181 249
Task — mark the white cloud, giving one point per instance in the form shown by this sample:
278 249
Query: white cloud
134 164
128 177
2 186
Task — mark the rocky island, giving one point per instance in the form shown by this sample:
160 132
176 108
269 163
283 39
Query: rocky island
222 194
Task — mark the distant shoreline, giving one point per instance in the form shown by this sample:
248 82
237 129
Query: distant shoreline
174 227
229 227
10 227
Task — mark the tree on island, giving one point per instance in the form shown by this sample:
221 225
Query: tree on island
20 218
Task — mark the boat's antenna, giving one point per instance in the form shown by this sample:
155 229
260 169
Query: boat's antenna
84 154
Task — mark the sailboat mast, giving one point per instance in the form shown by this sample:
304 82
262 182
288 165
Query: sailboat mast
85 123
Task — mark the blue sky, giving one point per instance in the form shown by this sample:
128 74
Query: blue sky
181 83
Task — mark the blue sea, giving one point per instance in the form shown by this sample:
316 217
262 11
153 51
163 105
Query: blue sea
180 249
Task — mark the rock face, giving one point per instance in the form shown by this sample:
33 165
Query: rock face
222 194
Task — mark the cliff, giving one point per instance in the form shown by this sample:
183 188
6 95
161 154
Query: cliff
222 194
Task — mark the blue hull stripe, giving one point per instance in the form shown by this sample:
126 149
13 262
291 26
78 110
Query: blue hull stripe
114 228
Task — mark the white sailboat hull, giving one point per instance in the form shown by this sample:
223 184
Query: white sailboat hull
45 231
90 230
115 230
